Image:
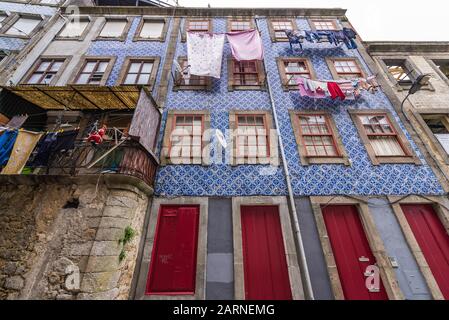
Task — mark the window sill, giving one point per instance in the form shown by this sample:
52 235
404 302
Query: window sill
325 160
396 160
110 39
69 38
247 88
160 39
191 88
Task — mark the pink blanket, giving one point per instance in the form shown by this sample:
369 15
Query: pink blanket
245 45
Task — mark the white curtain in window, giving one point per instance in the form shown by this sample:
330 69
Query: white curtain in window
113 28
152 29
24 26
386 146
74 28
444 140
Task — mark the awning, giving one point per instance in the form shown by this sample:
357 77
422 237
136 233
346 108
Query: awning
78 97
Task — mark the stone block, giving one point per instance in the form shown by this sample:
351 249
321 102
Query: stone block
109 234
121 201
99 282
110 222
102 264
118 212
106 295
14 283
106 248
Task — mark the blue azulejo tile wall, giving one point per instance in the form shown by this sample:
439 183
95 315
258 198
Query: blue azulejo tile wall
128 48
361 178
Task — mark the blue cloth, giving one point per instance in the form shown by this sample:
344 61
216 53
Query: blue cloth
7 140
294 38
44 149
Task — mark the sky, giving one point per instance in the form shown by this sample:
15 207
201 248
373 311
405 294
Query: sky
375 20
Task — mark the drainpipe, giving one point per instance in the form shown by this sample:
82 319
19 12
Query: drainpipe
308 291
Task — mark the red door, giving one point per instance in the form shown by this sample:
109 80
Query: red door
265 267
351 251
433 240
173 261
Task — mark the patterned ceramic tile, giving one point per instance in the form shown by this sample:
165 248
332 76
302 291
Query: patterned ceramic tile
361 178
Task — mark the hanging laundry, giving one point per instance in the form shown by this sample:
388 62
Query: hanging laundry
336 37
44 149
246 45
23 147
349 89
295 37
335 91
310 89
17 121
7 140
204 53
65 141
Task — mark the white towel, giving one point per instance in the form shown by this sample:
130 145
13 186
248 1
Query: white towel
204 53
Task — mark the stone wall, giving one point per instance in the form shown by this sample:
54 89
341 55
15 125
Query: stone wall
61 241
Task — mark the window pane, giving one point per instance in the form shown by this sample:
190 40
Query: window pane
113 28
144 79
147 67
34 78
134 67
130 78
152 29
24 26
89 67
102 66
83 79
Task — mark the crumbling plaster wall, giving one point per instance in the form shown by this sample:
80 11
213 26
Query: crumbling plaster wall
49 231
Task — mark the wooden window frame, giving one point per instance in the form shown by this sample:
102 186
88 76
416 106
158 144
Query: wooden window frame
31 71
187 21
341 158
272 151
409 65
13 18
283 74
127 63
271 30
387 272
312 24
333 70
205 140
83 34
229 21
409 157
142 21
260 75
125 31
439 205
419 116
184 87
111 61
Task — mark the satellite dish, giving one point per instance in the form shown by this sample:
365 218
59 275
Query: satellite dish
221 138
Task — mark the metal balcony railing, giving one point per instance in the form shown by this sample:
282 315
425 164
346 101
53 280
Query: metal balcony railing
127 157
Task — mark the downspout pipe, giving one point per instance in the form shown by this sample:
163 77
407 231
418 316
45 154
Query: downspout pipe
308 290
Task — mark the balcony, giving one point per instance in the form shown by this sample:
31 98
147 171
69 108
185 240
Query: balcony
127 158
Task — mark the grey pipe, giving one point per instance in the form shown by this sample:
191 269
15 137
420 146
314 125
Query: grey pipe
308 290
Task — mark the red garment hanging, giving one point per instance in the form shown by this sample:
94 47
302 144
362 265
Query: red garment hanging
335 91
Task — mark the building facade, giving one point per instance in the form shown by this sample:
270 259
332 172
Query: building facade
271 195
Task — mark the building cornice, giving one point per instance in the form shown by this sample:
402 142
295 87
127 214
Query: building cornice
374 47
212 12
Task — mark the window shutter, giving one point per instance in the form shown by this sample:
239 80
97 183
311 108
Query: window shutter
261 71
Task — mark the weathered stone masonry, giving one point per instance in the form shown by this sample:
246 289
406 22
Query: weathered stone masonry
47 226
